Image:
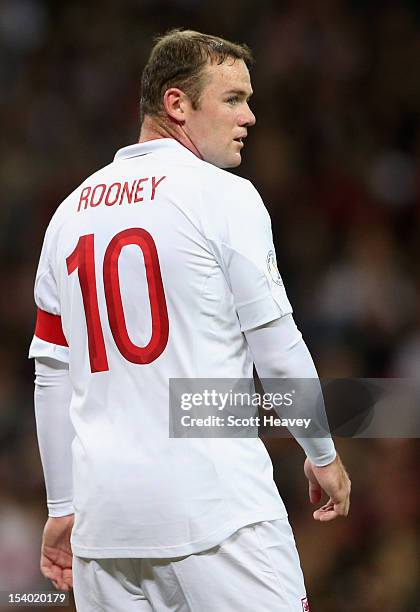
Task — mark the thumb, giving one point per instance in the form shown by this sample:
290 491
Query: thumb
315 492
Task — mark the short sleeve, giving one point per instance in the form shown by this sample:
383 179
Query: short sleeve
49 339
241 237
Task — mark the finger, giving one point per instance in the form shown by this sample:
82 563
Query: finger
45 565
320 512
331 510
61 584
342 507
330 505
56 577
68 577
325 515
51 573
46 572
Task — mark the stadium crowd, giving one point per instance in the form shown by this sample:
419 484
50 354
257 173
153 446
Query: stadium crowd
336 157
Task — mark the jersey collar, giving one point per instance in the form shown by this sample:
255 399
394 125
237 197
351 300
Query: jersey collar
152 146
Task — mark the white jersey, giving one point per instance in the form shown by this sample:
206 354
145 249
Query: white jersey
151 270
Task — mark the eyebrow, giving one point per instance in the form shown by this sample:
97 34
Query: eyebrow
239 92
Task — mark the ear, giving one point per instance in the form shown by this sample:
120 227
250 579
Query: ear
174 102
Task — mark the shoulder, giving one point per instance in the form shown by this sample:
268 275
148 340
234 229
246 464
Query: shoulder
229 205
233 196
213 173
66 208
229 188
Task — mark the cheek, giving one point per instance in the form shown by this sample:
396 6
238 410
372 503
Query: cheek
208 128
225 124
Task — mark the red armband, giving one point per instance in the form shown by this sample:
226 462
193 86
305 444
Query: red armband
48 327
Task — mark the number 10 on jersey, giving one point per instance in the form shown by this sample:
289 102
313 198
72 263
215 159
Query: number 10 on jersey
83 260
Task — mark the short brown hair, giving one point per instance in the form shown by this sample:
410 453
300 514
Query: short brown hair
177 60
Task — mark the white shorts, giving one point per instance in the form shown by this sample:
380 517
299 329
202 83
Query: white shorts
256 569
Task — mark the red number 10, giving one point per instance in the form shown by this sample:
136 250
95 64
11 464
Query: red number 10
83 259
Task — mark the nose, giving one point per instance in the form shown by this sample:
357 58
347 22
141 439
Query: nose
248 119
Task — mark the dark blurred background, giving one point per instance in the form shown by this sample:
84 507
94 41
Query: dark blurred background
336 157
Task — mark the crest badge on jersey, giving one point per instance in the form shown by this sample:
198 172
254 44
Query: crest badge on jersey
272 268
305 605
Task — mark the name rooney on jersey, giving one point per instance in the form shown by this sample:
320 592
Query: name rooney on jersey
119 193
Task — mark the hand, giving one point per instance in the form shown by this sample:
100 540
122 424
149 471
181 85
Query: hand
334 480
56 555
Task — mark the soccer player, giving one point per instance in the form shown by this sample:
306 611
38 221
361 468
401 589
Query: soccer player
161 265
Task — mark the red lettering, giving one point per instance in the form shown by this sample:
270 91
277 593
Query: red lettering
126 193
107 199
117 192
84 198
155 185
158 309
92 203
83 260
139 188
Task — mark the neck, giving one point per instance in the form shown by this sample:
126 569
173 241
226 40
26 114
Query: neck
164 127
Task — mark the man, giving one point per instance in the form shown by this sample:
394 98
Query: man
160 266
